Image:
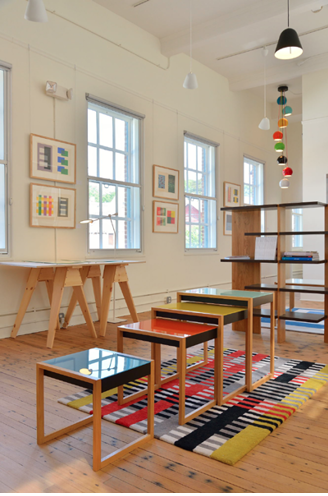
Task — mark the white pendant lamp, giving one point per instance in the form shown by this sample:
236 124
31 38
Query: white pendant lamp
190 82
36 11
284 183
265 122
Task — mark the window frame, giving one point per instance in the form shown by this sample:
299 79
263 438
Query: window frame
298 215
196 140
116 109
7 69
258 162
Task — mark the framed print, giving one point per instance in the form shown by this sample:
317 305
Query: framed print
165 182
227 224
52 207
52 159
231 197
165 217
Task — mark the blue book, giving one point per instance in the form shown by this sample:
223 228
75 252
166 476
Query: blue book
298 259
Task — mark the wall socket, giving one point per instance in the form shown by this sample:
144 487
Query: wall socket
168 299
61 318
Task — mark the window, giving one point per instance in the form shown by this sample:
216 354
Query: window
297 225
253 185
4 157
200 199
113 178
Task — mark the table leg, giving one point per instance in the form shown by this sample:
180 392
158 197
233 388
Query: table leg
109 277
156 356
151 398
72 304
272 326
49 286
181 365
220 359
120 390
217 371
80 296
39 404
96 283
125 288
97 425
32 281
291 301
58 289
249 347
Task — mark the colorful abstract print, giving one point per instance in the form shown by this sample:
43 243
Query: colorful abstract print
165 216
45 159
44 206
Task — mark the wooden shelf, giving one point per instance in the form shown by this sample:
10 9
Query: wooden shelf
303 205
304 289
263 312
313 318
302 262
266 287
247 208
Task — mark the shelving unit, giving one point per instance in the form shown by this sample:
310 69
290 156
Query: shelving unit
246 274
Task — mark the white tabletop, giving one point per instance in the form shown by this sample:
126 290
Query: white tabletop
67 263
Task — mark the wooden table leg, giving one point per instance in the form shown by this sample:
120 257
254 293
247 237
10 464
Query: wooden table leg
181 365
39 404
32 281
97 425
49 285
156 356
249 347
80 296
220 347
72 304
291 301
58 289
96 284
109 276
120 390
125 288
151 398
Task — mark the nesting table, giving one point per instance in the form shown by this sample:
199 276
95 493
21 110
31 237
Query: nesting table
181 335
100 370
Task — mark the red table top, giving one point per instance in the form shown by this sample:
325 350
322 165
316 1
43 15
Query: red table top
168 327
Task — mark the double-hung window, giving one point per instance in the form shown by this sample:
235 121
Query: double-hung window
200 194
4 156
114 184
254 184
297 225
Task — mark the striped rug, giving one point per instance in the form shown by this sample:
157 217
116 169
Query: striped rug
225 433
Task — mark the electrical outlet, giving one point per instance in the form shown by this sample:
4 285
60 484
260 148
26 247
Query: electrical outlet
168 299
61 318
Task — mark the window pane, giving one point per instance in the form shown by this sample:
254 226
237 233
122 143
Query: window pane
187 210
246 172
123 201
105 164
201 184
108 199
2 116
201 159
194 211
108 236
192 182
120 135
92 161
194 236
105 130
92 126
94 200
188 237
94 235
191 156
123 234
246 194
120 167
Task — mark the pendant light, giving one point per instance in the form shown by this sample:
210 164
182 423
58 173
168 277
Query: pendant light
36 11
190 82
284 183
289 45
265 122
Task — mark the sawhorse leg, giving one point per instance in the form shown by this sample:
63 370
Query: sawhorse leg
32 282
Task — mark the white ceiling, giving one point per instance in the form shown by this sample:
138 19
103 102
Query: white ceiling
228 36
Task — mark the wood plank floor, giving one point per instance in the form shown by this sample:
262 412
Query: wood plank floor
292 459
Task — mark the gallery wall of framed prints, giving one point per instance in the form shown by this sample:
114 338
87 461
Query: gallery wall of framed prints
166 186
231 198
51 206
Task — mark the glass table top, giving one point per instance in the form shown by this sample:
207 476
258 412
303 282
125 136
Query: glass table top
233 293
168 327
97 363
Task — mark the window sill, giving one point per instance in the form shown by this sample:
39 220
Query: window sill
200 251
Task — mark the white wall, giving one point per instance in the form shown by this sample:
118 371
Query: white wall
315 153
86 47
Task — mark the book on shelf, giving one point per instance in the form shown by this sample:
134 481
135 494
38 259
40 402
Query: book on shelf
238 257
298 259
266 248
306 255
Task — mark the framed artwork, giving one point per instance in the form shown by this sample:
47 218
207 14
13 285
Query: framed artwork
227 224
51 206
231 197
165 182
165 217
52 159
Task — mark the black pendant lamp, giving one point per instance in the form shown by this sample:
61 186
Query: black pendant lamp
289 45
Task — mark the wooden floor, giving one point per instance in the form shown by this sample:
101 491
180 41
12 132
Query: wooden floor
292 459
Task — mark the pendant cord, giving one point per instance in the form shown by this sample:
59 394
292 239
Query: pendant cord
190 35
288 12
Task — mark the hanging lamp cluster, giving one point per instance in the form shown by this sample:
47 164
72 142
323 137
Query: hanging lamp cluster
280 136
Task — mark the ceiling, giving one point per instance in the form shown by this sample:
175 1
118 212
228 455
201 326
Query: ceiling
229 36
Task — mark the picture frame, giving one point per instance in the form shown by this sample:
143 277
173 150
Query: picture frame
52 159
165 217
52 206
165 182
231 194
227 223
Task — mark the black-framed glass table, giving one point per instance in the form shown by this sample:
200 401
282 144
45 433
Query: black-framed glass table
100 370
